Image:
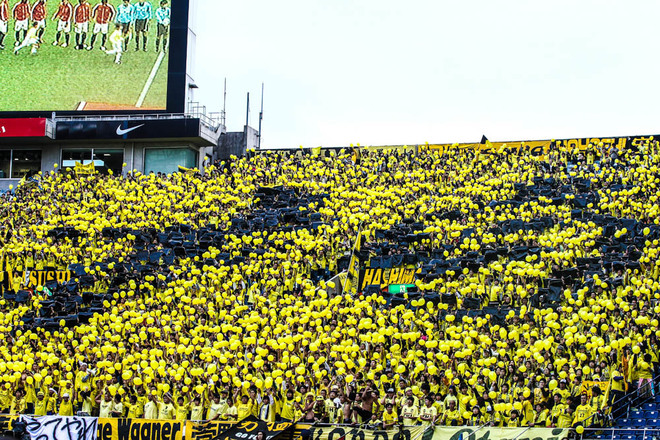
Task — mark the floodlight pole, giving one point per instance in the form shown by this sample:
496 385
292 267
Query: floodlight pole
261 116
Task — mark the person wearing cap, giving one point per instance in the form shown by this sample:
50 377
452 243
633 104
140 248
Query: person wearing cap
408 394
331 408
41 405
65 407
563 391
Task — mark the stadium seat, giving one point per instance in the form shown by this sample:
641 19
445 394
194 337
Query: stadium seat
651 414
636 414
649 407
624 422
638 422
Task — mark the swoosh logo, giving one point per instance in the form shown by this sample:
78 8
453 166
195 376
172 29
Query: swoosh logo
122 131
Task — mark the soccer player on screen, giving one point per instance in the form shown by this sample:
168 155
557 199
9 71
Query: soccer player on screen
38 14
31 39
163 15
4 22
81 15
63 15
103 13
143 14
125 18
21 14
117 41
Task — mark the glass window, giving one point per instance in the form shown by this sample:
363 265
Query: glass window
70 157
109 159
168 160
25 163
5 164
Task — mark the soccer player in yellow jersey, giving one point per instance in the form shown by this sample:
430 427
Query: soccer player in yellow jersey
117 41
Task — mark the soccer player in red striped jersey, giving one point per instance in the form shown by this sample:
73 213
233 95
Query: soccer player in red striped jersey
103 14
4 22
21 15
81 14
39 16
63 15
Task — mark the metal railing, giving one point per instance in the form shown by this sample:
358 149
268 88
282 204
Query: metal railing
624 405
151 116
637 433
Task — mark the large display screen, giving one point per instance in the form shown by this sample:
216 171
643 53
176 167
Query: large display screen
92 56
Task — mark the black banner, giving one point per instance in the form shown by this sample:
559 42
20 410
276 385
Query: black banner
250 428
128 129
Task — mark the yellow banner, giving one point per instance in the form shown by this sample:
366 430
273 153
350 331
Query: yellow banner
353 277
386 277
34 278
587 386
129 429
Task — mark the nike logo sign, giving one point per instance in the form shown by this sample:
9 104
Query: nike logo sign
121 131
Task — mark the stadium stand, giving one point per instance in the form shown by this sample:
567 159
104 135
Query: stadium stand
214 296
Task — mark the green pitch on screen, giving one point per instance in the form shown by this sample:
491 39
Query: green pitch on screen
60 78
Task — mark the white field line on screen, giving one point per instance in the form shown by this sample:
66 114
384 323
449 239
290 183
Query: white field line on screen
150 80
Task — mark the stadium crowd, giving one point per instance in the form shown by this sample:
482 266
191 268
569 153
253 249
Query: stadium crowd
208 296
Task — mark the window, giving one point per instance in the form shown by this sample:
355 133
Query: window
17 164
168 160
104 159
110 159
5 164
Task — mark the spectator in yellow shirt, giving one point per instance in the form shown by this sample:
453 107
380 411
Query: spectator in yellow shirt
390 417
41 405
409 412
244 408
66 407
428 414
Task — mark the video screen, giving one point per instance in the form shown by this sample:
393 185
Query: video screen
80 55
